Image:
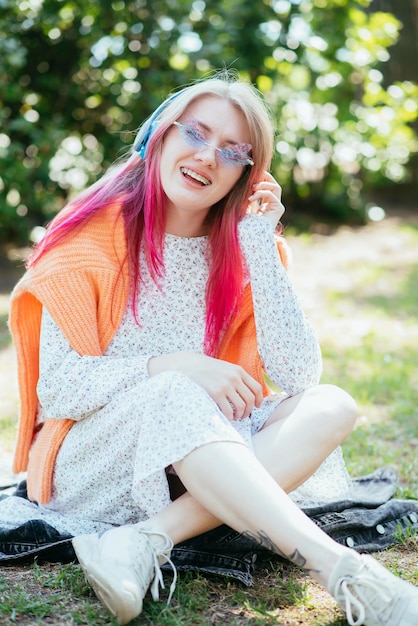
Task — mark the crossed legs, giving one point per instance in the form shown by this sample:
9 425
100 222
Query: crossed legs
227 483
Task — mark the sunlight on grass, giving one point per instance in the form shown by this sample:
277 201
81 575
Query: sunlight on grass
377 365
8 430
5 338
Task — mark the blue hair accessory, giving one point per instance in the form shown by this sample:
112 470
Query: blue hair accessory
141 148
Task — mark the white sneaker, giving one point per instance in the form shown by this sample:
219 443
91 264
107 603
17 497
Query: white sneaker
122 563
371 595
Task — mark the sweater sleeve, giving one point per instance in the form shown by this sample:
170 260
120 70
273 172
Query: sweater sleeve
74 386
286 341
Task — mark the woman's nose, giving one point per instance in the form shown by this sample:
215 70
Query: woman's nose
207 153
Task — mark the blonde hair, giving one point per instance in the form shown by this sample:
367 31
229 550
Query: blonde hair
135 183
243 96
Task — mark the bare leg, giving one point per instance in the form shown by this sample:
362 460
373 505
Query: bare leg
312 424
233 486
226 481
302 431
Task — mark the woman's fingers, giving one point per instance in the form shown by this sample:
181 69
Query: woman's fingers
236 401
243 397
240 408
228 408
234 391
266 199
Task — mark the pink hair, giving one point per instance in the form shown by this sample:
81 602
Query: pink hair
225 285
136 184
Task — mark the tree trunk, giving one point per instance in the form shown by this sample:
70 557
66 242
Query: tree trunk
404 54
401 66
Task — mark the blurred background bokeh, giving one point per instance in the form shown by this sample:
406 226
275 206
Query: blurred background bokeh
78 77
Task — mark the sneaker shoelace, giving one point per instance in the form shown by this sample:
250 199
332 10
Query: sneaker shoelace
354 605
160 556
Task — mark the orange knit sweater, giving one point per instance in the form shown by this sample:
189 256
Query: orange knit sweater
84 284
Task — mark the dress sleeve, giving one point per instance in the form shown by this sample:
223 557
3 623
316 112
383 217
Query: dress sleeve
74 386
287 343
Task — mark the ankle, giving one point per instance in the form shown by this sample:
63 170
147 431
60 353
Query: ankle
157 536
326 565
347 555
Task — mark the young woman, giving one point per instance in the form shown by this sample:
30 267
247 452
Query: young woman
145 324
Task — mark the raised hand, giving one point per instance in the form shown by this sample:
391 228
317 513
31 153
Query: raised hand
266 199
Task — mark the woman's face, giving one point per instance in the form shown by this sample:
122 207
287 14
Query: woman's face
195 177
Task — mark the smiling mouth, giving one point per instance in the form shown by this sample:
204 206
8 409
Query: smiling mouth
195 176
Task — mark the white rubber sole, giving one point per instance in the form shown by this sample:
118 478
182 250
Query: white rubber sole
120 602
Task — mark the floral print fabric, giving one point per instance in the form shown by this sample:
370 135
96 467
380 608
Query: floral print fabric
130 427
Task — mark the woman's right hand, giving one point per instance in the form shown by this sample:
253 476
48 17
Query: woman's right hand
266 200
235 392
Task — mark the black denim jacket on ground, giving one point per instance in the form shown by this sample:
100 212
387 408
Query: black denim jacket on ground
369 521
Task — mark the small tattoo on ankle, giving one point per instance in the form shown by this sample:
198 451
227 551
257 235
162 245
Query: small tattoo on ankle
262 539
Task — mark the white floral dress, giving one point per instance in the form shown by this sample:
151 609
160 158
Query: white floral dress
129 427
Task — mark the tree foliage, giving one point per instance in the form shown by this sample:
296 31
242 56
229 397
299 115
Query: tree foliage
79 77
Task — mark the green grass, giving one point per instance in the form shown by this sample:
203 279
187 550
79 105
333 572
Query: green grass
59 595
47 593
8 430
50 591
8 401
385 385
4 331
368 326
380 368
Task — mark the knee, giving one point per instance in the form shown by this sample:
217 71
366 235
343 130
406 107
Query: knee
338 409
